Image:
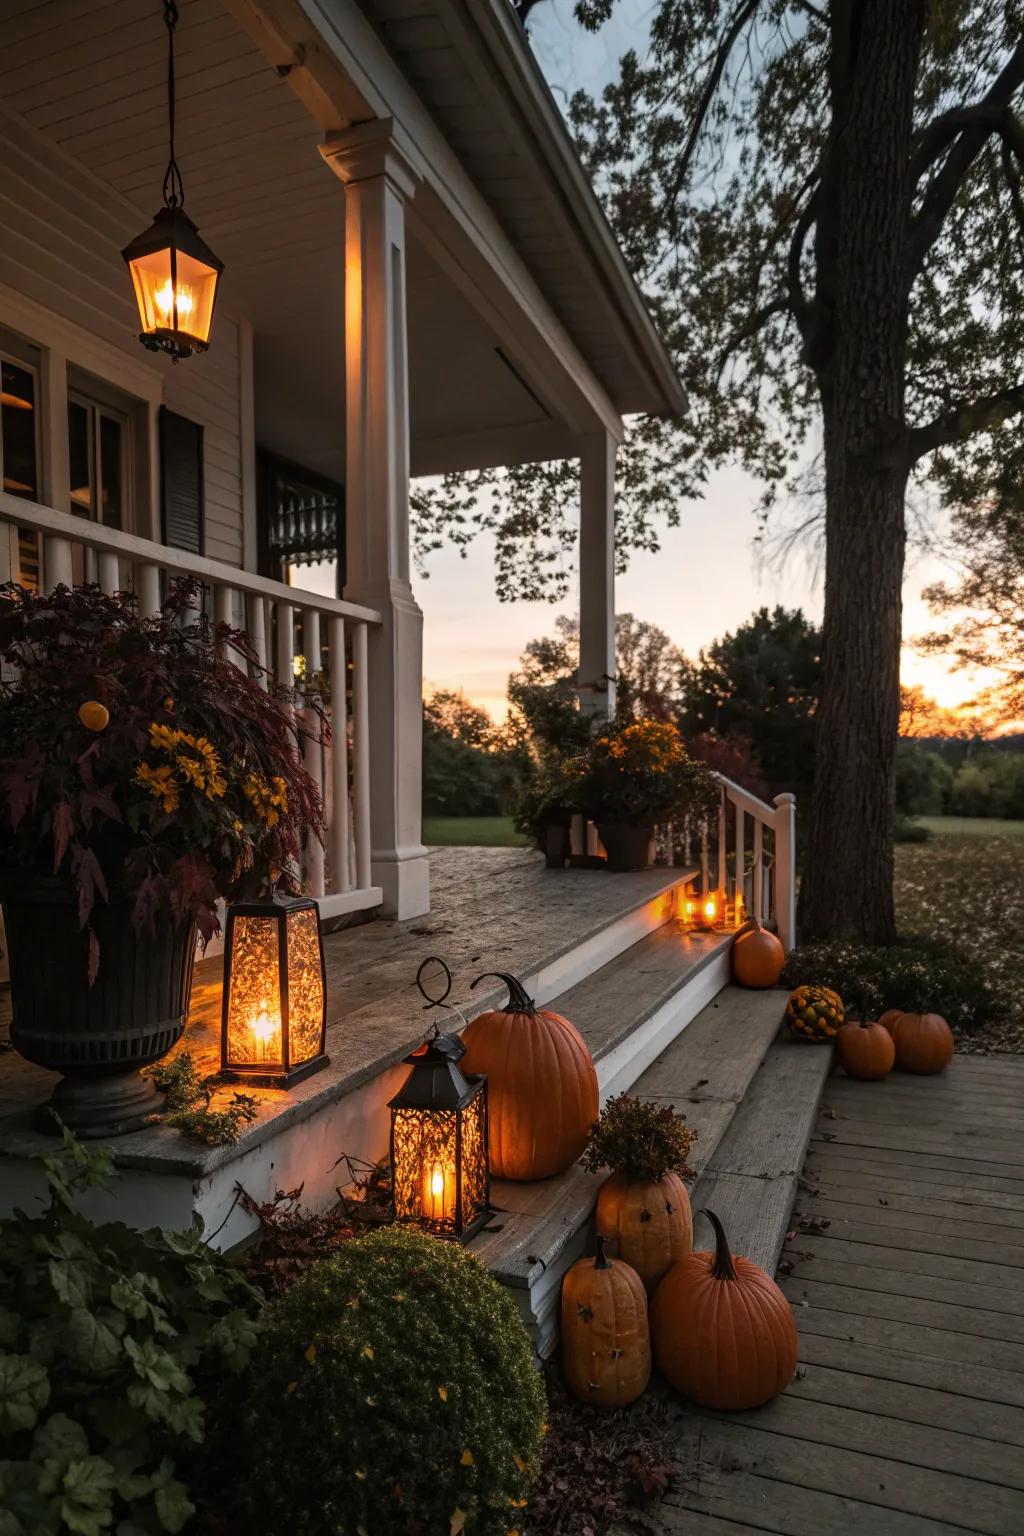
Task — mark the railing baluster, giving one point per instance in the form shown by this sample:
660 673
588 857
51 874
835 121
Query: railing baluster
223 611
256 616
312 752
149 590
785 869
339 828
758 892
705 866
722 865
738 885
286 647
57 565
361 730
109 574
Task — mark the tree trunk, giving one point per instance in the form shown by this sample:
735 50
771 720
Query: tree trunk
859 356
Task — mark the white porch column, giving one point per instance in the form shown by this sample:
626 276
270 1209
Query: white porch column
378 181
597 575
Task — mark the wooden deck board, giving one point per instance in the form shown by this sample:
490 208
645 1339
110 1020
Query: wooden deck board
907 1414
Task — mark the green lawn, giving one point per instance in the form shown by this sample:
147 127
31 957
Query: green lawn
971 826
471 832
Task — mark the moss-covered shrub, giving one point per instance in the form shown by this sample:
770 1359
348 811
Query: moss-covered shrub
915 973
394 1392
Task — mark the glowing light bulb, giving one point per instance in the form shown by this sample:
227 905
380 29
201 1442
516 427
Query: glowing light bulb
264 1029
165 297
709 907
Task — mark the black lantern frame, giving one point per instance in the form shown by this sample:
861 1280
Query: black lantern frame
439 1132
181 254
290 1013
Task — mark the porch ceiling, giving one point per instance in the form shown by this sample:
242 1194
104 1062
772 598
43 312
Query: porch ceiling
89 75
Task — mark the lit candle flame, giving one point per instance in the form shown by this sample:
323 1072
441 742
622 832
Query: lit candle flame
165 300
265 1030
439 1200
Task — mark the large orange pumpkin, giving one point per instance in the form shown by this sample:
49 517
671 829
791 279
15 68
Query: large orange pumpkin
866 1049
889 1017
757 957
541 1085
648 1221
924 1042
723 1331
606 1341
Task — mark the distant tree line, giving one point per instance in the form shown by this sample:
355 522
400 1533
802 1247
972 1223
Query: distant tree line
961 778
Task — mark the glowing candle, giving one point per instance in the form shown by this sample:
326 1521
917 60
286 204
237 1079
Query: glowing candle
438 1193
165 300
265 1030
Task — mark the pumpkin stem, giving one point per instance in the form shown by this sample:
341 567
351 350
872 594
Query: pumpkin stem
519 1000
723 1265
601 1261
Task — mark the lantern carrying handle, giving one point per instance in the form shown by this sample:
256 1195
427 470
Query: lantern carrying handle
434 1002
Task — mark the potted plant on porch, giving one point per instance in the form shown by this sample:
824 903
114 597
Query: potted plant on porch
637 774
143 777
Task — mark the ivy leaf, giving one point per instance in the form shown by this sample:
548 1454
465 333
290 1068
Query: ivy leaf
24 1392
71 1281
59 1440
94 1339
173 1507
87 1505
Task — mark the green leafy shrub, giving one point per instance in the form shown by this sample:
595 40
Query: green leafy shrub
638 1138
394 1392
109 1343
906 830
915 973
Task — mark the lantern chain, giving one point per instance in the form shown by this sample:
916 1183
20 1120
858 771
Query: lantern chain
174 187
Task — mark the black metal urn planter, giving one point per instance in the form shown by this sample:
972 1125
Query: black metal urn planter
98 1037
627 847
144 777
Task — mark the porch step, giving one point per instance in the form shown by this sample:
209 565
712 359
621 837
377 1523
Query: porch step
540 1230
750 1181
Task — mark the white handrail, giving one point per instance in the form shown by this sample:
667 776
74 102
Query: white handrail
269 610
65 526
777 872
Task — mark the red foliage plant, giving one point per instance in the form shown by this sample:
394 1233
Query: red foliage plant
187 786
734 758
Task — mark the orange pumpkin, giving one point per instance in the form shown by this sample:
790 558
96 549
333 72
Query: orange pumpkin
723 1331
541 1085
924 1042
648 1221
866 1049
757 957
94 715
606 1341
889 1017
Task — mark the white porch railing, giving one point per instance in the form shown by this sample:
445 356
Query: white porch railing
283 623
759 871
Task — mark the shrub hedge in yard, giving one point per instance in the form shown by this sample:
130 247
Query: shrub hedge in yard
915 973
394 1391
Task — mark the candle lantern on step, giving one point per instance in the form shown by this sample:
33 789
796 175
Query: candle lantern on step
703 911
275 994
439 1136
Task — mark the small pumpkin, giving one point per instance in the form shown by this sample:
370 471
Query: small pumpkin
757 957
866 1049
815 1013
889 1017
541 1085
606 1341
723 1331
924 1042
648 1221
94 715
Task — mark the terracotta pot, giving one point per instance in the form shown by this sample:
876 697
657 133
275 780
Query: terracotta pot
97 1037
627 847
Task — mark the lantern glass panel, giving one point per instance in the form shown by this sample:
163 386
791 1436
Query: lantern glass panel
166 304
254 1001
475 1183
305 987
424 1166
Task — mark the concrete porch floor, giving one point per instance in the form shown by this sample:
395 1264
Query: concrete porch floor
493 908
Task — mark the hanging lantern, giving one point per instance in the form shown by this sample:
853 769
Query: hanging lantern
274 1006
439 1167
174 272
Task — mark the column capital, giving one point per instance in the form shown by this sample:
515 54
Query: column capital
369 150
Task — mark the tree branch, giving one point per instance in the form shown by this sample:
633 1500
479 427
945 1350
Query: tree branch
797 298
742 15
750 327
966 129
963 420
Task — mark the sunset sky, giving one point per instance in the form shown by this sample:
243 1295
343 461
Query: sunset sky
706 579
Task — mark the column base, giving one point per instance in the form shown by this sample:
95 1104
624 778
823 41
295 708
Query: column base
405 884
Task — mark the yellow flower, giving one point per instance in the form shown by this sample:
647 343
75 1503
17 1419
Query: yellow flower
163 736
161 784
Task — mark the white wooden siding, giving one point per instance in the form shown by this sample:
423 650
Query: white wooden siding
61 233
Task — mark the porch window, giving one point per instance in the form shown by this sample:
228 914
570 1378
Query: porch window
19 454
97 460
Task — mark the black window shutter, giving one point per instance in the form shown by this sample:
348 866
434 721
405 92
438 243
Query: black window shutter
181 481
